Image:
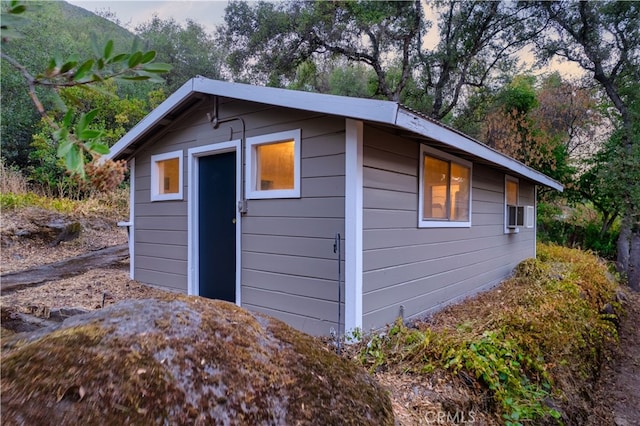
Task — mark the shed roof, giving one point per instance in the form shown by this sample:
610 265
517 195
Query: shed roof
386 113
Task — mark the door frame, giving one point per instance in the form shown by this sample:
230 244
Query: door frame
193 219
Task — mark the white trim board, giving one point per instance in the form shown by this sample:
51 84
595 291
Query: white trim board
132 217
193 287
353 225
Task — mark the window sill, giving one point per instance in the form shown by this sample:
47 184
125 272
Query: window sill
442 224
166 197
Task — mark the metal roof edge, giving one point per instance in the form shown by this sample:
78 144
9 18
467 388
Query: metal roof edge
374 110
417 123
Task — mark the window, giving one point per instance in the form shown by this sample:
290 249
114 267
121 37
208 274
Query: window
445 190
273 165
166 176
514 213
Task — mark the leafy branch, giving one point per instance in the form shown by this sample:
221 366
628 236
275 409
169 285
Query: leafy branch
76 139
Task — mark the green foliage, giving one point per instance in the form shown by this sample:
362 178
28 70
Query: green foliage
189 49
77 138
9 201
582 227
53 28
542 339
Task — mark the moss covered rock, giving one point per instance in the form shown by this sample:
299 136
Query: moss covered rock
182 360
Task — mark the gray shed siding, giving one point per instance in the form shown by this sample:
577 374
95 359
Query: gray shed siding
288 266
424 269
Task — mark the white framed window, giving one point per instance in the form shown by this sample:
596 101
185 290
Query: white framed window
513 212
273 165
166 176
445 190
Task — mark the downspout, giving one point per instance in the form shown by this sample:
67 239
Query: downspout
215 122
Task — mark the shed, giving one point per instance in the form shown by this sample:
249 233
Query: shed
241 193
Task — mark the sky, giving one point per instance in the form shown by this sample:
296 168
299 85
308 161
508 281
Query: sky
207 13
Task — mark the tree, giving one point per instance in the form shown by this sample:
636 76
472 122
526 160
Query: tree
268 41
604 39
75 137
189 50
544 122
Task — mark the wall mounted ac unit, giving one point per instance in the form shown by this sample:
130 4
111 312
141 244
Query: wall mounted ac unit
520 216
515 216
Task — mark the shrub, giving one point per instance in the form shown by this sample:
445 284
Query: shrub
541 338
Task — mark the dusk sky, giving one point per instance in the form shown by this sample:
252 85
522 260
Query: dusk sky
207 13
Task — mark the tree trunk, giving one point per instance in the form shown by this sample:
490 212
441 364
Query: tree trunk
634 260
623 245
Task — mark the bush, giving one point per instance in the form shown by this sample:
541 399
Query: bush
539 337
578 227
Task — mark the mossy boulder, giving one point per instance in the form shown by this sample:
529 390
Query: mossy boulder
182 360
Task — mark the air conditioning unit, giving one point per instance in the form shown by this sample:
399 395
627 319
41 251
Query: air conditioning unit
515 216
530 217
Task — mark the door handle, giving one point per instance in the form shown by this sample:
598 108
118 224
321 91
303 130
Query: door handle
233 220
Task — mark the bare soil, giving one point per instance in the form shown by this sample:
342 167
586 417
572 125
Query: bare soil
617 392
616 400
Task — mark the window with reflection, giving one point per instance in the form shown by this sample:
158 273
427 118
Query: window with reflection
445 189
166 176
273 165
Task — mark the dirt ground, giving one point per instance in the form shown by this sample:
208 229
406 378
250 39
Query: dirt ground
415 402
617 396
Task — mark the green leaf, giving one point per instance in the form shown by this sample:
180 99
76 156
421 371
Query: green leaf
68 66
135 77
108 49
94 45
153 78
73 160
134 60
135 44
18 9
68 118
89 134
100 148
121 57
64 147
84 120
148 57
91 115
83 69
157 68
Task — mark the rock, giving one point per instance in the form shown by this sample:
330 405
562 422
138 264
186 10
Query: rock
182 360
40 224
60 314
67 232
621 296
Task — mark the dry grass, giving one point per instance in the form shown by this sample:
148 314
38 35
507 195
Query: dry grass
526 351
12 180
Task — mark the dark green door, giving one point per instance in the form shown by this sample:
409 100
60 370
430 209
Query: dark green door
217 226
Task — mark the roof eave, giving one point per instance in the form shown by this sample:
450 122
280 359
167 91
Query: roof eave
417 124
152 119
